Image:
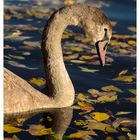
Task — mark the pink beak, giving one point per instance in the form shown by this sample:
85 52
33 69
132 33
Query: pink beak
101 49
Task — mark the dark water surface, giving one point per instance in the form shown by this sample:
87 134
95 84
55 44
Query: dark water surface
121 11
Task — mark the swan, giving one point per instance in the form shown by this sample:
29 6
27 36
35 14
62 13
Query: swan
20 96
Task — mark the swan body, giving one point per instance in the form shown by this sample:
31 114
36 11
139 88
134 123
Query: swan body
20 96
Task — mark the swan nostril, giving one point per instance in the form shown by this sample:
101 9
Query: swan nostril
105 29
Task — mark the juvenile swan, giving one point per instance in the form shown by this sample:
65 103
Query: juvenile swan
20 96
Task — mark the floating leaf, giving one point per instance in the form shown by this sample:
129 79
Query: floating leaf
132 29
87 108
124 122
86 57
99 116
133 100
80 122
131 136
125 129
11 129
109 138
81 96
77 61
107 98
37 81
132 42
128 78
17 57
81 134
122 138
84 104
94 125
70 57
133 91
88 70
39 130
122 113
32 43
94 92
123 72
111 88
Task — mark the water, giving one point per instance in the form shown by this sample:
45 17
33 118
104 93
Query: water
63 120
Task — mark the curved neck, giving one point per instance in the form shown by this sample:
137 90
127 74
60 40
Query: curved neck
58 81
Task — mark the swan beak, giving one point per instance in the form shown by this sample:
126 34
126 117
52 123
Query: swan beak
101 50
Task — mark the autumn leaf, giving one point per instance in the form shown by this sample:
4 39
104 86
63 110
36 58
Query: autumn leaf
123 113
128 78
37 81
107 98
83 104
81 134
88 70
111 88
94 125
39 130
123 72
99 116
11 129
132 42
81 96
133 91
80 122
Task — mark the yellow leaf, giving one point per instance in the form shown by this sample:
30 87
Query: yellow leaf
109 138
123 72
88 70
133 91
94 92
80 122
123 113
38 81
86 57
122 138
39 130
128 78
11 129
83 104
125 129
78 61
132 42
81 134
82 96
107 98
70 57
133 100
111 88
94 125
98 116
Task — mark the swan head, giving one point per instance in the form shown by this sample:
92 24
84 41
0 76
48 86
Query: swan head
99 30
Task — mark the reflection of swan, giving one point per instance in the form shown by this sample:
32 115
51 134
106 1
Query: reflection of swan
61 119
21 97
